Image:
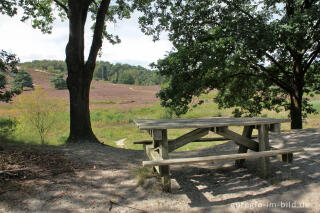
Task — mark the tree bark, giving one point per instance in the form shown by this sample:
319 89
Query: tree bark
79 75
296 95
296 112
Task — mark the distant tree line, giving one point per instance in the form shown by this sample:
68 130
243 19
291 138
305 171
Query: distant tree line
115 73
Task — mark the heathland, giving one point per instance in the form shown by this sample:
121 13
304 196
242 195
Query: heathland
113 109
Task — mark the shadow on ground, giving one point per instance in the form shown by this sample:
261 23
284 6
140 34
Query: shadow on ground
109 185
213 185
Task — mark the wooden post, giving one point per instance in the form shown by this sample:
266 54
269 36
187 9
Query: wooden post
264 164
164 154
247 132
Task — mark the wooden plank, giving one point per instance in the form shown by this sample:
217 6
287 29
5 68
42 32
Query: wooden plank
148 151
157 134
164 170
239 139
187 138
247 132
263 135
219 158
204 122
286 158
194 141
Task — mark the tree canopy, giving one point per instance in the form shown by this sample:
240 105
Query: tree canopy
8 67
258 54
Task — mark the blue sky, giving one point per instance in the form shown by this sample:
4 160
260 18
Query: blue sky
30 44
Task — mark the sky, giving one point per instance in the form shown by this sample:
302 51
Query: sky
30 44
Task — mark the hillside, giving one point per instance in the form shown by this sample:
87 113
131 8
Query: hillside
103 94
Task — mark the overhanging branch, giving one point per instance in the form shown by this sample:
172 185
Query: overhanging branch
60 4
275 62
313 56
271 77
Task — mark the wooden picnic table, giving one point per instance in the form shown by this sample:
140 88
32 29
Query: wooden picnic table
157 149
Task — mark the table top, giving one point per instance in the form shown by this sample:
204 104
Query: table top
145 124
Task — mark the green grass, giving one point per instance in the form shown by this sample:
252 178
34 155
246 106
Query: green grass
104 102
316 105
111 125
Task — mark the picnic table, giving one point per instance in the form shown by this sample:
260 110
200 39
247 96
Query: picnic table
157 149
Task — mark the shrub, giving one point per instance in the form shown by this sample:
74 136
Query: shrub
39 111
59 82
7 127
126 78
22 79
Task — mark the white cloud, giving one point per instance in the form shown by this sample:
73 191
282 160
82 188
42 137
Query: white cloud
30 44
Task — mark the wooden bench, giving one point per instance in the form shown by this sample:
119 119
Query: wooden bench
220 158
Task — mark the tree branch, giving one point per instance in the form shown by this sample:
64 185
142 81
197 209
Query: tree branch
313 56
64 7
268 75
275 62
98 31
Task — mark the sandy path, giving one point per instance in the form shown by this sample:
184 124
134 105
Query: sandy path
203 187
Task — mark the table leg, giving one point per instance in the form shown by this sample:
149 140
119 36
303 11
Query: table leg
247 132
165 170
263 134
160 151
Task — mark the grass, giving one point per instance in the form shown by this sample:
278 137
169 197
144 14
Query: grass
104 102
111 125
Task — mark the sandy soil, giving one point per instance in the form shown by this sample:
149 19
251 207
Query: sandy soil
108 184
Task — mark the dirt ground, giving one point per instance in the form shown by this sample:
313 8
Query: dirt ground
101 179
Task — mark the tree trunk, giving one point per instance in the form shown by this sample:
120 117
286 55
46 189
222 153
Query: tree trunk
296 112
296 94
79 75
80 124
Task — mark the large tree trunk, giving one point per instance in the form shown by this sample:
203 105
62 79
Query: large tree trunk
296 112
296 95
80 125
79 75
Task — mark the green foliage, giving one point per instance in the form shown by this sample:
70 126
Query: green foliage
7 127
117 73
59 82
38 111
259 55
52 66
126 78
8 66
40 12
22 79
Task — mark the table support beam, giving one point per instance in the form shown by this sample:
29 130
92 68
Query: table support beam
264 164
247 132
187 138
239 139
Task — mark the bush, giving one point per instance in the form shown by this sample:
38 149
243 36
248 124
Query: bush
22 79
126 78
38 111
59 82
7 127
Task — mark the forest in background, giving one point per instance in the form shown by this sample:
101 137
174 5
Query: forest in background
106 71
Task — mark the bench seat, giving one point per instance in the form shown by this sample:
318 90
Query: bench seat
218 158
